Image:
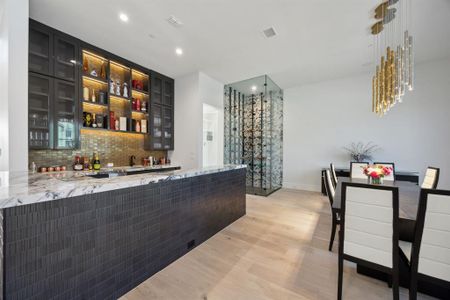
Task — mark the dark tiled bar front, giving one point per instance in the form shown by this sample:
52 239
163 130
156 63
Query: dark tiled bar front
102 244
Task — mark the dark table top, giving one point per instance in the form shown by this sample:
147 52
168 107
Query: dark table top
408 195
397 172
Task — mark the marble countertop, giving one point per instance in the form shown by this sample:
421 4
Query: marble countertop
21 188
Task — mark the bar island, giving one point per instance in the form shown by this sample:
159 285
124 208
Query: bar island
70 236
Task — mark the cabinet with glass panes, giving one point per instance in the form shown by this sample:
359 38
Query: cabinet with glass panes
52 89
161 113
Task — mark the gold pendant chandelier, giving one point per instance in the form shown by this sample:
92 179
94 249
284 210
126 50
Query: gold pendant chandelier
393 49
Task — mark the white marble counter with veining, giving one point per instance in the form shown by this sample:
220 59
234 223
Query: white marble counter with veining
21 188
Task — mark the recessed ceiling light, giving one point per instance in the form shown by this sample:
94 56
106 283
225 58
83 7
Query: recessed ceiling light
254 88
123 17
179 51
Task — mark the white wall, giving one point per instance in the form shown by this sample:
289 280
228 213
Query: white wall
13 85
191 91
321 118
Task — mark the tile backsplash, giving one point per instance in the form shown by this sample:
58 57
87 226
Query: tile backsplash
113 147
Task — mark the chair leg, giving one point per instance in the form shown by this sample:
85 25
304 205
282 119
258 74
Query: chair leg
340 276
413 287
333 233
395 286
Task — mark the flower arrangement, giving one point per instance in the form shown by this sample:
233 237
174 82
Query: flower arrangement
377 172
361 152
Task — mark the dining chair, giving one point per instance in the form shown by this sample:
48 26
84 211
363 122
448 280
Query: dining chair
390 177
368 232
335 213
333 175
356 169
430 181
429 254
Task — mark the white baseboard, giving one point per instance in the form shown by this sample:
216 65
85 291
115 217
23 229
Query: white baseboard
301 186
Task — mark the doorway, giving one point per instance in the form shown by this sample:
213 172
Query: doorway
211 140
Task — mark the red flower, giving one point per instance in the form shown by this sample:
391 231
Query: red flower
374 174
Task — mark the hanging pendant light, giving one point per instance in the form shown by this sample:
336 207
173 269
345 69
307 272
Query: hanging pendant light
394 74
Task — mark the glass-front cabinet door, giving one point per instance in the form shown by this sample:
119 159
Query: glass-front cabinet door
157 89
40 51
156 127
65 58
168 93
65 114
39 108
167 128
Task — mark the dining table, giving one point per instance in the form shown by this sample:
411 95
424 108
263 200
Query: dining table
408 193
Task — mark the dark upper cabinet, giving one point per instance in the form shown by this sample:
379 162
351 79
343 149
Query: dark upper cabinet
161 114
156 127
157 89
40 54
65 115
52 53
40 129
167 128
53 103
66 52
168 91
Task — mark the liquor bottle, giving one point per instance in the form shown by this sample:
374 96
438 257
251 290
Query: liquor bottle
103 71
138 104
143 106
77 166
93 98
96 162
86 93
94 120
85 65
138 126
144 126
112 120
133 103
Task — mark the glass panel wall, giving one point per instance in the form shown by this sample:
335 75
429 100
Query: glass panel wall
254 132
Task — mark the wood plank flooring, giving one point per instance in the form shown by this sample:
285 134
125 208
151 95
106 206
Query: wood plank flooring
279 250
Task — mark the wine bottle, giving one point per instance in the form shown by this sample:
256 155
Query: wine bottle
85 65
96 162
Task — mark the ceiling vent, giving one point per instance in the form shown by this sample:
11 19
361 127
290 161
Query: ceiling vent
174 21
270 32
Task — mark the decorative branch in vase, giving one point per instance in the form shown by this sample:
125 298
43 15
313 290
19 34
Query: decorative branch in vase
361 152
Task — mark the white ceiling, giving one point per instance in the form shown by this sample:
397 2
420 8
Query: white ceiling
317 39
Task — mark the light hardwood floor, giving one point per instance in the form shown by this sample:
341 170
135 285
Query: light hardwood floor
279 250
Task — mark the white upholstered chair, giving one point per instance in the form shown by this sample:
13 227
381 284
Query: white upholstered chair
429 254
431 179
356 170
390 177
369 230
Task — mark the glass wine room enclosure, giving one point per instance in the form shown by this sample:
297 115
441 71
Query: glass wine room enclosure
254 132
